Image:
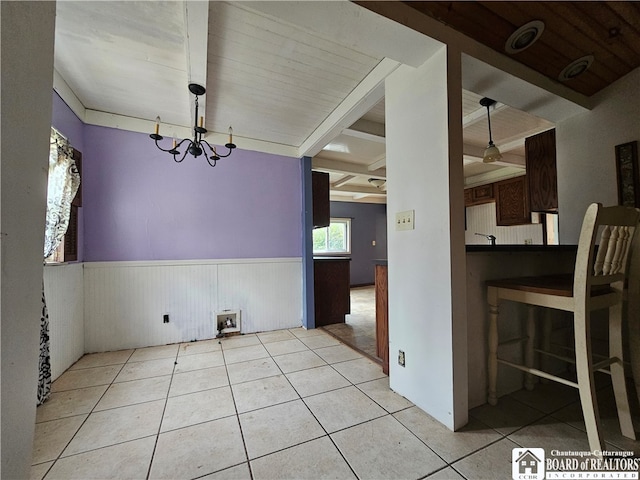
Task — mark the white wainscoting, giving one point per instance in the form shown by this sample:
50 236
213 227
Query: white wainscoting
63 286
482 219
124 302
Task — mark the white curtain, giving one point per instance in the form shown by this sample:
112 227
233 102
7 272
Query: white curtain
63 184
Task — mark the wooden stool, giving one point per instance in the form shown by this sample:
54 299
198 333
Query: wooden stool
598 282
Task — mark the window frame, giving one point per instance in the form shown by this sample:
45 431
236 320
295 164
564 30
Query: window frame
67 251
343 220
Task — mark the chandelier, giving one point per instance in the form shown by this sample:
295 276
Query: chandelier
198 145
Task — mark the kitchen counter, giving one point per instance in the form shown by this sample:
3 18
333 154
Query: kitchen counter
520 248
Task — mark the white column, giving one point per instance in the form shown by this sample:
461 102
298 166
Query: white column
427 265
27 89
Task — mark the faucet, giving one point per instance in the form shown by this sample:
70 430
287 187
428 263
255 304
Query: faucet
491 238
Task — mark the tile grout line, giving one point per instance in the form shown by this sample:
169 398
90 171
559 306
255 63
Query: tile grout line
85 420
314 416
237 415
164 409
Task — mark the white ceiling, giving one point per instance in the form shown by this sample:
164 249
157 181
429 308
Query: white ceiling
293 78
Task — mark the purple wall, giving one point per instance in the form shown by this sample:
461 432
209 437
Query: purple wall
368 223
67 123
138 204
141 205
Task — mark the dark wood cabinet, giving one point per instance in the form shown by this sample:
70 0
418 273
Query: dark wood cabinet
542 175
478 195
512 202
321 205
332 293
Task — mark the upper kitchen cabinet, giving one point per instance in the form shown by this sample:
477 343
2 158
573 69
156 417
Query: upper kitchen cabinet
321 205
542 176
512 204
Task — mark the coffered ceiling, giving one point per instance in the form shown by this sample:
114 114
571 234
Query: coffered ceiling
307 78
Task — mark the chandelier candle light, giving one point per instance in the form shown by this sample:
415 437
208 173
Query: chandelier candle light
198 146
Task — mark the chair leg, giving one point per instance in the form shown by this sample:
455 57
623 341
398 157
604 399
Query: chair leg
529 347
617 372
586 385
492 299
633 319
547 331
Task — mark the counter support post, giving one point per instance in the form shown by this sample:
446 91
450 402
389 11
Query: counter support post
492 299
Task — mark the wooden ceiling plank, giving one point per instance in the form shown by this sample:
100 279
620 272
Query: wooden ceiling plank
584 18
627 19
488 23
485 23
470 18
572 35
550 54
629 12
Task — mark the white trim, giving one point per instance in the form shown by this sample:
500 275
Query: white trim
163 263
62 88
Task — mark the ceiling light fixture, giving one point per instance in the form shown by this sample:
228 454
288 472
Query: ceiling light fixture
198 146
524 37
491 153
576 68
377 182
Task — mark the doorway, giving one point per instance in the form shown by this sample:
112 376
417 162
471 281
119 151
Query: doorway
359 329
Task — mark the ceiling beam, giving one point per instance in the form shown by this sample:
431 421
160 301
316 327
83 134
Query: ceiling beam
367 126
196 20
490 73
379 163
493 176
342 181
509 159
361 99
363 135
359 189
346 168
480 114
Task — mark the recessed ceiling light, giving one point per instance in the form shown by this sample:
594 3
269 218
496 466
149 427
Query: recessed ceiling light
524 37
575 68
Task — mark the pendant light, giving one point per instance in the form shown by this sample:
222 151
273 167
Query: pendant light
491 153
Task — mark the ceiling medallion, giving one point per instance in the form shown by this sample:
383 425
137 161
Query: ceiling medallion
524 37
575 68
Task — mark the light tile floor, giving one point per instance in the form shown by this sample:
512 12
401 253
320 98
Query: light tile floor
291 404
359 328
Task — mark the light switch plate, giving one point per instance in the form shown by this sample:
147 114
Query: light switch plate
405 220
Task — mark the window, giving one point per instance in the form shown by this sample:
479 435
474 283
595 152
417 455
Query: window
67 249
336 238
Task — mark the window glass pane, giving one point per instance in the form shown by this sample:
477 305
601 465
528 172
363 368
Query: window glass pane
334 238
337 237
320 239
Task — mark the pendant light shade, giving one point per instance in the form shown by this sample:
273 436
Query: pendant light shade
491 153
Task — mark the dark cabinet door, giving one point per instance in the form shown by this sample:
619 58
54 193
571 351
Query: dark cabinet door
512 204
320 187
541 172
331 289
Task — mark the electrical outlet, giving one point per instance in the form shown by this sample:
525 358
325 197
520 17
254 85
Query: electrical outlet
401 358
405 220
165 318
